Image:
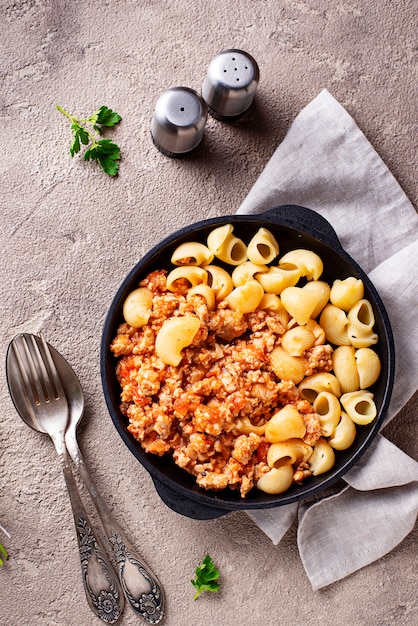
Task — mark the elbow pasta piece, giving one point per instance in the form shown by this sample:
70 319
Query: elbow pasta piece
328 409
299 303
263 248
345 369
344 434
245 272
192 253
137 307
345 293
312 385
206 292
175 334
285 424
245 298
368 367
287 367
276 279
322 458
288 452
226 247
335 324
182 278
309 263
219 280
276 481
244 426
322 290
297 340
359 406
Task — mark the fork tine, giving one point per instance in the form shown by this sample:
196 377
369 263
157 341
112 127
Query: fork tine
54 375
29 391
40 371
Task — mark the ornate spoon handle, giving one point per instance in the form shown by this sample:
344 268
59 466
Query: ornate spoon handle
140 586
100 581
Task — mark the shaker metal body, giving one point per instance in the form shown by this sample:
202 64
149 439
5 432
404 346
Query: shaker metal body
179 121
230 83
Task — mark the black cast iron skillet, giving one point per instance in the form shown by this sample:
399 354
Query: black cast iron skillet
293 227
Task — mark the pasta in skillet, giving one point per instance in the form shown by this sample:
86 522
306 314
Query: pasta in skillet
245 366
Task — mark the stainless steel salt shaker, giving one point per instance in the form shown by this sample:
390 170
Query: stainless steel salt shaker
179 121
230 83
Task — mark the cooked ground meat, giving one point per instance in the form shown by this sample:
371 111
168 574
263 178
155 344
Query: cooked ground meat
191 411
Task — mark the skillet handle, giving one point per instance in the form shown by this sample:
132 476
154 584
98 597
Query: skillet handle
185 506
306 219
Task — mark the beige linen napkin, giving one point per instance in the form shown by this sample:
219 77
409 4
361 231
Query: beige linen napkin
326 164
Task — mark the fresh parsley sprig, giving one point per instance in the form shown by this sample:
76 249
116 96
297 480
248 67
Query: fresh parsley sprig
206 577
104 151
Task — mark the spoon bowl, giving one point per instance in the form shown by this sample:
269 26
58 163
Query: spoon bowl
140 586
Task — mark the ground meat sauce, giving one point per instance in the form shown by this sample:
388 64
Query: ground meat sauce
191 411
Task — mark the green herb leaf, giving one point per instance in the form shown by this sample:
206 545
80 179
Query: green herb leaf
105 117
3 554
104 151
206 575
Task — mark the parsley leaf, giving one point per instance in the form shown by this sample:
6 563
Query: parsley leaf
206 575
104 151
3 554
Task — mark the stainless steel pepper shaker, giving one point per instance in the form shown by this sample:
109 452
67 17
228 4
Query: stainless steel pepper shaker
179 121
230 83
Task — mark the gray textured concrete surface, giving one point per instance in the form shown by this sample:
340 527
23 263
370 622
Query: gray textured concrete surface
69 234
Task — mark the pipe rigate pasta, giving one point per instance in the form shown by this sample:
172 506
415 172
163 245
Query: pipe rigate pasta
329 410
346 293
299 303
335 324
226 247
263 247
368 367
192 253
285 424
344 434
311 386
182 278
322 458
245 298
288 452
276 279
345 368
250 374
359 406
219 280
286 366
206 292
322 291
360 325
175 334
137 307
246 271
308 262
276 481
297 340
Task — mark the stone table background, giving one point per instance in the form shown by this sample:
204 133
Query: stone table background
69 234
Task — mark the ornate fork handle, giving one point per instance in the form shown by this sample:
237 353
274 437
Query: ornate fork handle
140 586
100 581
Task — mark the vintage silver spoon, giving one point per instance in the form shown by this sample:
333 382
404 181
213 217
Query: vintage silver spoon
37 394
140 586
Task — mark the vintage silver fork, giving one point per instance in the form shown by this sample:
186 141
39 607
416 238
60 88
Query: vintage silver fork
37 393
